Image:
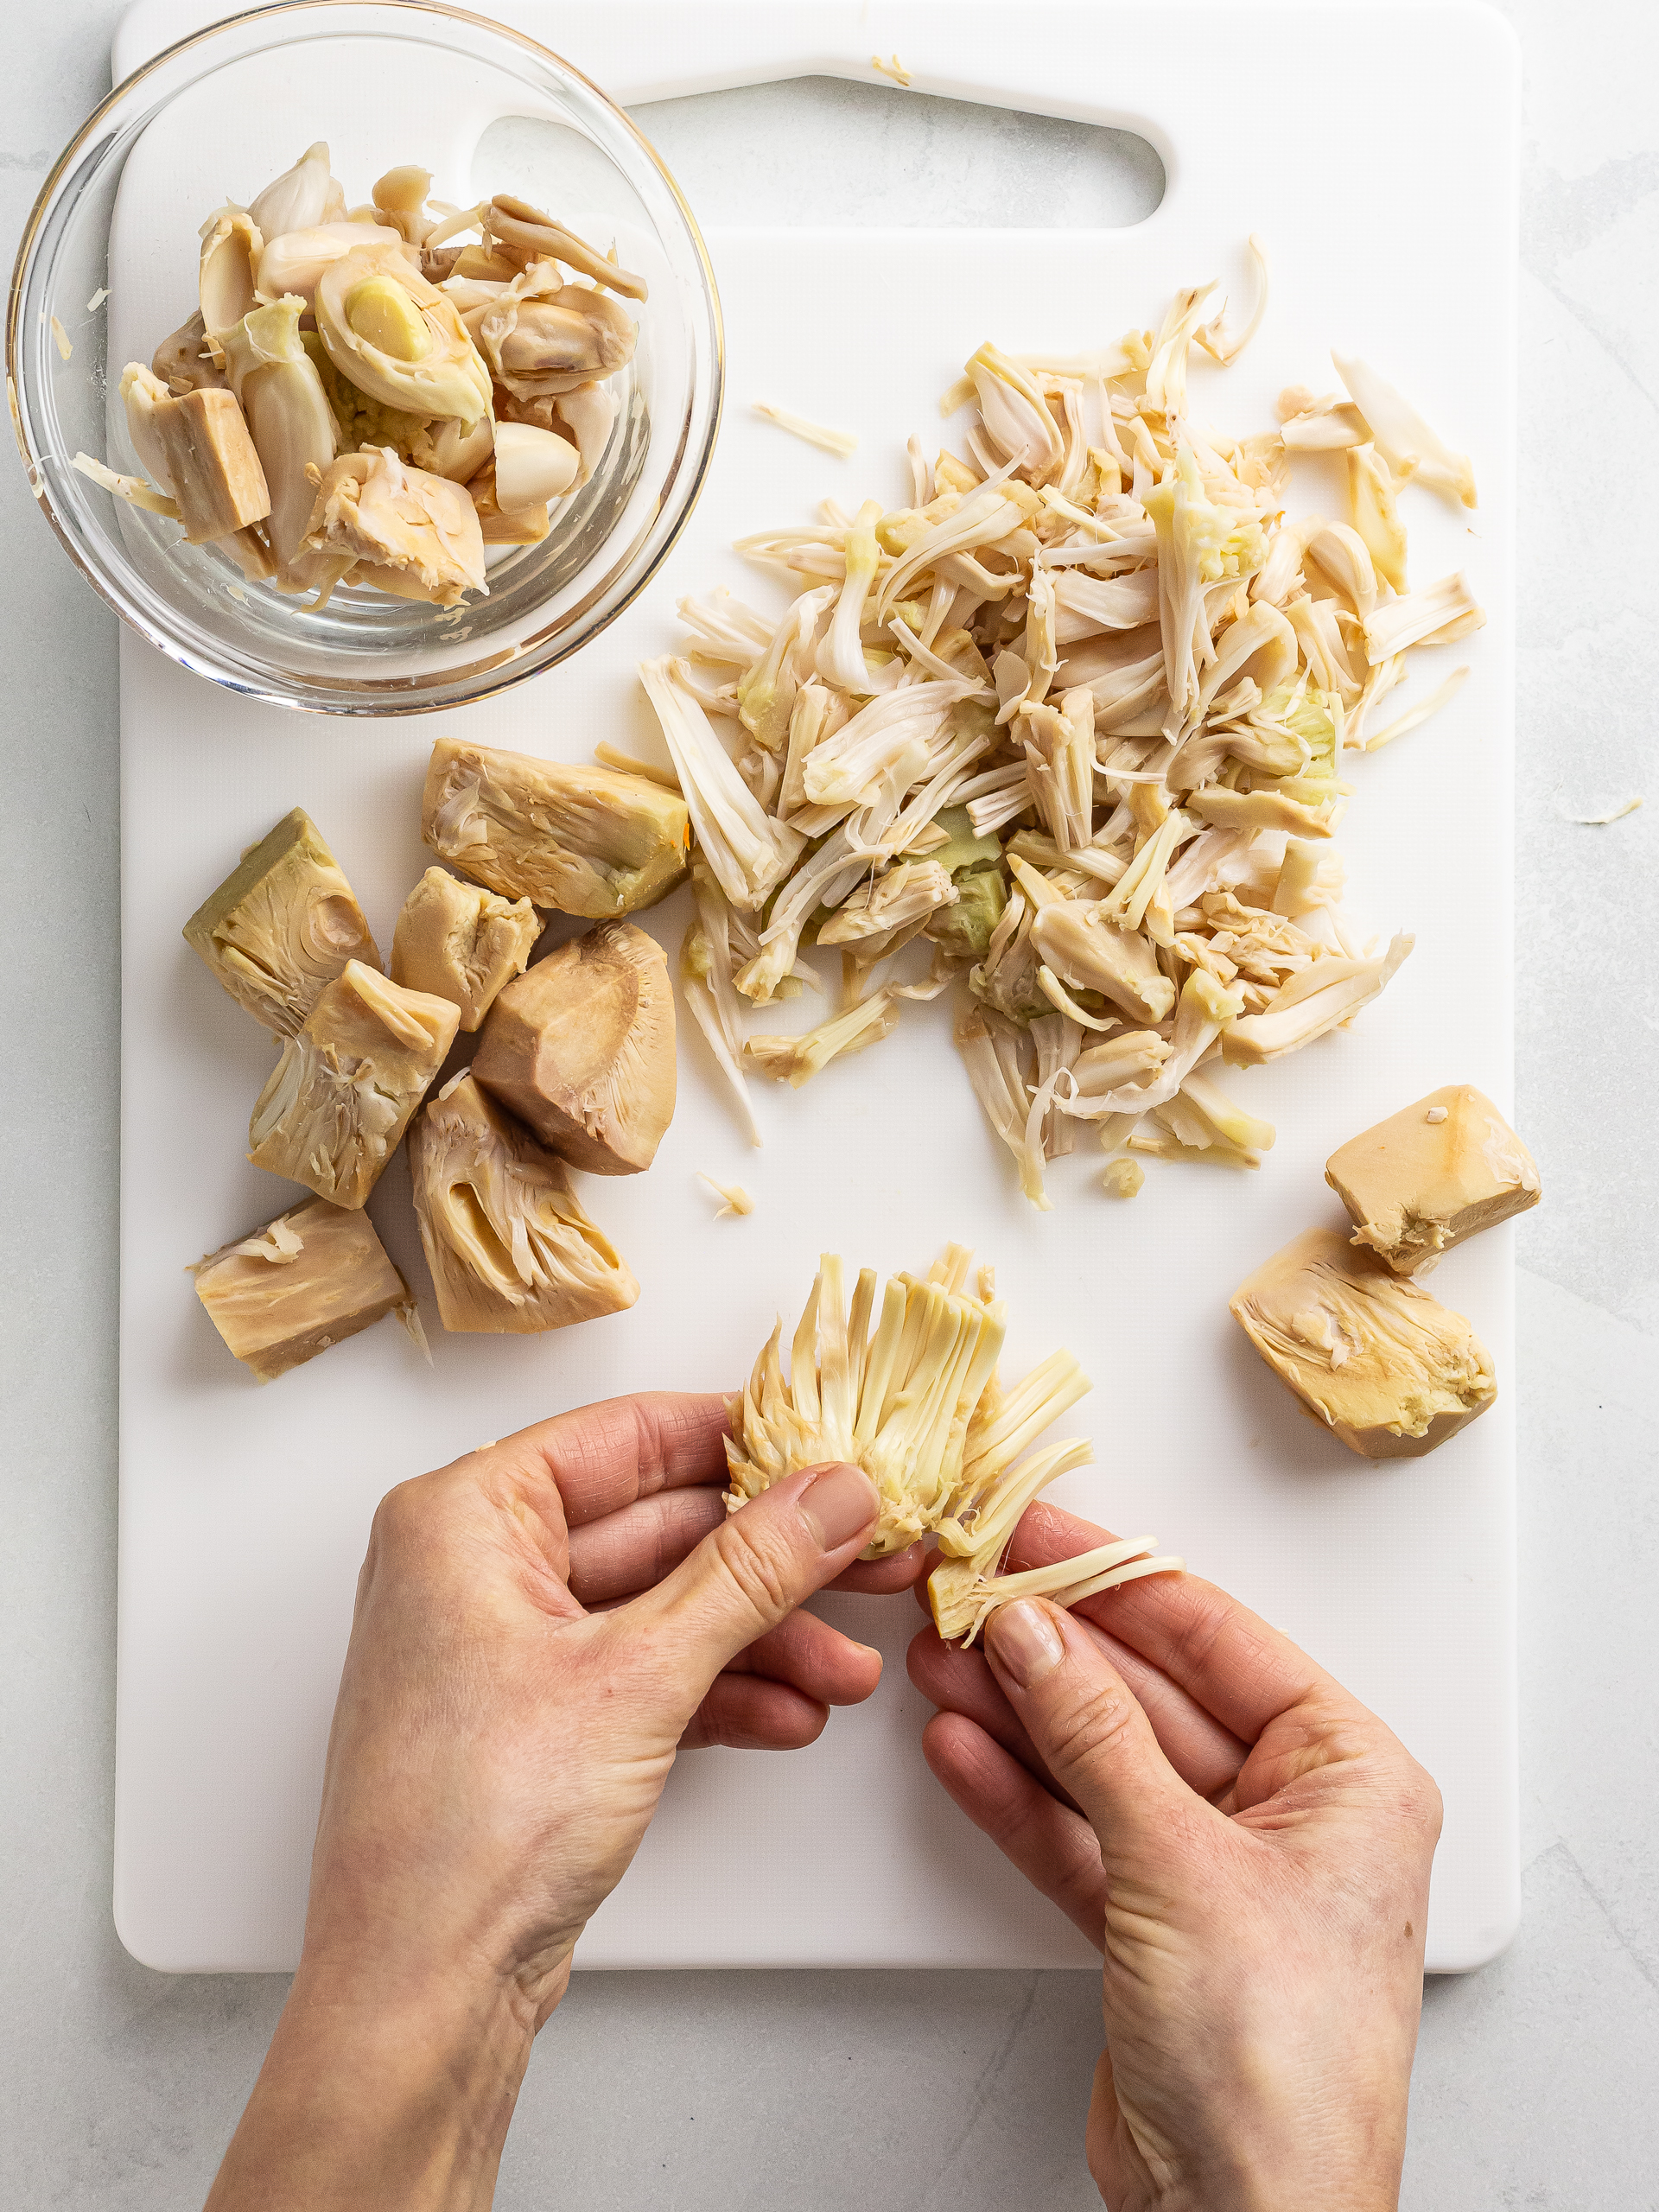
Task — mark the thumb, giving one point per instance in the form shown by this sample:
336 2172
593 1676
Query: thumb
747 1574
1089 1728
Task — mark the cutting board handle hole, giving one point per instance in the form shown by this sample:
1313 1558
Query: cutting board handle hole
873 155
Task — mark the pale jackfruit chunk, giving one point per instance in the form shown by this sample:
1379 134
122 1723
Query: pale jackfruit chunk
510 1249
339 1098
308 1280
581 1047
1386 1368
580 839
1431 1175
211 464
460 942
416 534
283 924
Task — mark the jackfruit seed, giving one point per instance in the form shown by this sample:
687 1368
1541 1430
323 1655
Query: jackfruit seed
509 1248
580 839
581 1047
281 926
1388 1369
1431 1175
458 942
308 1280
341 1096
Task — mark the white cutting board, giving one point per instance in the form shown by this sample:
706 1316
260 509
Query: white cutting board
1373 150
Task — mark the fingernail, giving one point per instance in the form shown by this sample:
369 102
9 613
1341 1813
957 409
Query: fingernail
837 1504
1026 1641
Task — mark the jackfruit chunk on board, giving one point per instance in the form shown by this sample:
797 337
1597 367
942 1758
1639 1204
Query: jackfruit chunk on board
211 464
586 841
581 1047
282 925
461 942
339 1098
1431 1175
308 1280
509 1248
1386 1368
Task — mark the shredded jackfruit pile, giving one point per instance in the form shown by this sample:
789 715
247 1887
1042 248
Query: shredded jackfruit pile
1075 720
910 1394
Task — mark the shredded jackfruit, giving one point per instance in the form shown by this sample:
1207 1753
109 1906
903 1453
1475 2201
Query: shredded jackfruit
1079 713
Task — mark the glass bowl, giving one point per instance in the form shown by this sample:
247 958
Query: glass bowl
384 82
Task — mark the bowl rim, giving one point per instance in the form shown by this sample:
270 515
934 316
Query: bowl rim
506 668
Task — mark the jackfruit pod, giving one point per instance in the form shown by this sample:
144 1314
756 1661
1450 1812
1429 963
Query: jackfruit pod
301 198
398 337
297 261
293 430
542 336
230 248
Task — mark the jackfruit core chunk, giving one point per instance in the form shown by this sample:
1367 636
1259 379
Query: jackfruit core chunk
581 1047
281 926
1384 1366
1432 1175
509 1248
339 1098
306 1281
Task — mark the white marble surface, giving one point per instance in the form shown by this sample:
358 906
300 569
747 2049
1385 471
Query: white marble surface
1535 2080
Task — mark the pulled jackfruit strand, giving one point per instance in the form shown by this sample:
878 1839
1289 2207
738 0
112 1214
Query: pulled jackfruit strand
915 1404
748 852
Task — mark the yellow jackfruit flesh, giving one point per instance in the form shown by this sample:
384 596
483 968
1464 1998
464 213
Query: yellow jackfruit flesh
910 1394
398 338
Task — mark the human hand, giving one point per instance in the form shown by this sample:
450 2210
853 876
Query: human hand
539 1628
1247 1845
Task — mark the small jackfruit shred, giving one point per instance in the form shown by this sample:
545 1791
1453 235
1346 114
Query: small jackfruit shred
735 1199
814 434
1066 733
908 1390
